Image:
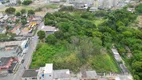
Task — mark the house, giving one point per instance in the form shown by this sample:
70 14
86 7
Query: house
16 30
62 74
88 75
7 63
30 75
47 73
81 4
49 29
13 67
2 28
112 4
3 18
15 49
13 1
37 19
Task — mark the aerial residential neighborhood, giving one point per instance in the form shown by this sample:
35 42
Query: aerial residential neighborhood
70 40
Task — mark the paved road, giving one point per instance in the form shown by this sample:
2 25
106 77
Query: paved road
28 58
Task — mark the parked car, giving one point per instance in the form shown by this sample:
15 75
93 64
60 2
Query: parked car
22 61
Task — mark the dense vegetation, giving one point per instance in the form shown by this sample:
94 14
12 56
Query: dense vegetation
82 43
27 2
139 8
77 45
10 10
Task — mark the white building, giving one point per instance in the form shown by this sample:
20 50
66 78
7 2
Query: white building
47 73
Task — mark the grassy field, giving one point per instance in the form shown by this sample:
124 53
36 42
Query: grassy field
104 63
45 53
64 59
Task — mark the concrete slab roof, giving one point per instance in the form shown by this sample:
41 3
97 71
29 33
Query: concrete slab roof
4 61
58 74
30 73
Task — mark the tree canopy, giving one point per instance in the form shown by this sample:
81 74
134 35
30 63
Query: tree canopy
18 14
23 11
80 41
10 10
27 2
31 12
41 34
139 8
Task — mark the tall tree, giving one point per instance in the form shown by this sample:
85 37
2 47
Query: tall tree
41 34
31 12
10 10
27 2
23 11
51 39
139 8
18 14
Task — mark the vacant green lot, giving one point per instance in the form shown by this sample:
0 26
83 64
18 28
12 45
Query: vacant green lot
77 45
104 63
64 59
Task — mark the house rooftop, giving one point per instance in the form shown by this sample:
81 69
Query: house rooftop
10 51
11 43
4 61
61 74
89 74
49 28
30 73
